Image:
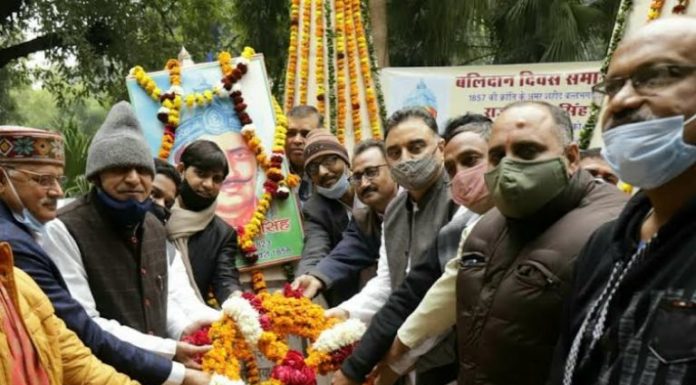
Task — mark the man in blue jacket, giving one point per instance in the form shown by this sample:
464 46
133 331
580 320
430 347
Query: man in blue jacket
31 169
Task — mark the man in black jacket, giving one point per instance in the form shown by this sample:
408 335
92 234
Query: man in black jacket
326 211
631 316
359 248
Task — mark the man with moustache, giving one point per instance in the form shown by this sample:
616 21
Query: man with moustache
301 120
518 260
326 213
237 201
630 317
359 248
466 161
411 225
31 170
111 250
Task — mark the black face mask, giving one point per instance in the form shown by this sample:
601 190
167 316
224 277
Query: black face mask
162 213
192 200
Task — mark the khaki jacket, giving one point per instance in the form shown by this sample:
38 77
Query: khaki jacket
66 360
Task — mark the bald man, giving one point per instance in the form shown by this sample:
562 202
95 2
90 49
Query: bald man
631 318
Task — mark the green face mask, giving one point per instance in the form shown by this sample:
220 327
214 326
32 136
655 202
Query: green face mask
521 188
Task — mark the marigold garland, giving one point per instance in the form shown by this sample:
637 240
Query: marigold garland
366 72
353 57
291 71
277 185
305 34
655 9
341 71
320 71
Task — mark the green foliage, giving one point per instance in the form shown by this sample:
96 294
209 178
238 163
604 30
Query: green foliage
76 145
105 38
265 25
450 32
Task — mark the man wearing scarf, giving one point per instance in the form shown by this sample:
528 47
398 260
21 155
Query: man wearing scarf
207 244
112 251
31 169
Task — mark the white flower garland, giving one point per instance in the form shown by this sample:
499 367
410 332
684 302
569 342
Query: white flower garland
340 335
246 318
218 379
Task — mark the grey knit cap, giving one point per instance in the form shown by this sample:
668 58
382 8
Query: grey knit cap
119 142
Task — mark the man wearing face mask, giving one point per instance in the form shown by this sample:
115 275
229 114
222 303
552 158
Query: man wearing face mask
432 315
207 244
30 175
326 212
410 229
165 188
630 317
465 161
112 251
517 262
358 250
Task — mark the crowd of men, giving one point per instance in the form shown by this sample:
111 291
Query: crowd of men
483 252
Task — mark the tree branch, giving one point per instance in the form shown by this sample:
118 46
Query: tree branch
41 43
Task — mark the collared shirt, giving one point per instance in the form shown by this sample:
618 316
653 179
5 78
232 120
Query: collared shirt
183 307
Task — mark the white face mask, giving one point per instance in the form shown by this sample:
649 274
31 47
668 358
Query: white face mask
337 190
651 153
25 217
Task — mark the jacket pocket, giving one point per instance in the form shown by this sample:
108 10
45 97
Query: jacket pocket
674 331
536 274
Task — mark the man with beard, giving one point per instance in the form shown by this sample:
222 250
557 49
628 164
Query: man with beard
630 318
111 250
31 172
326 211
358 250
301 120
411 225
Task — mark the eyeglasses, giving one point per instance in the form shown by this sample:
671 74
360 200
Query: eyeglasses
44 180
327 162
370 173
645 80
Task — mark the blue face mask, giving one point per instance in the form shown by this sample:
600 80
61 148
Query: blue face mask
30 221
651 153
26 217
337 190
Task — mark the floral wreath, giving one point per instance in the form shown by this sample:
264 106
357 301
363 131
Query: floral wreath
277 184
259 322
262 322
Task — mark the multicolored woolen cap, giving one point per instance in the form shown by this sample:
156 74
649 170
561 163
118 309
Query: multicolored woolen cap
30 145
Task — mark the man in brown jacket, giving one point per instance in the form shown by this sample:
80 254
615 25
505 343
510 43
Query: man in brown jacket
517 262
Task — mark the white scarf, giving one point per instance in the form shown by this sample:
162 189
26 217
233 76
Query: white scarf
181 225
